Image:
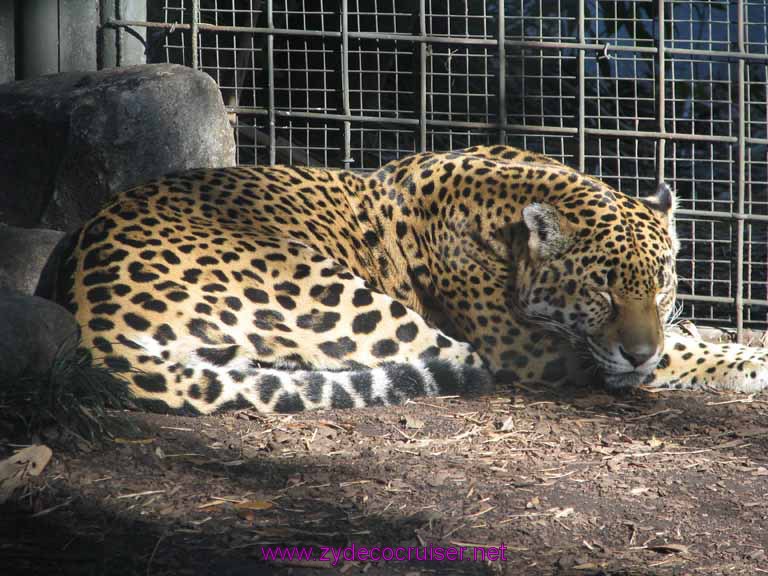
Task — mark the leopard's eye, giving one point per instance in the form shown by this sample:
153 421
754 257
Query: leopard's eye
611 303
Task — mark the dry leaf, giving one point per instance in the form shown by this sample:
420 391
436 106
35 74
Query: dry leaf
254 505
412 423
564 512
15 470
508 425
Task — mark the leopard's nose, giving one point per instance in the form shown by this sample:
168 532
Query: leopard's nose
637 356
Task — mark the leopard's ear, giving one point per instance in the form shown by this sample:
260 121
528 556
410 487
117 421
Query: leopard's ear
664 203
548 231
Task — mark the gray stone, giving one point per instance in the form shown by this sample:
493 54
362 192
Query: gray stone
23 254
33 333
7 42
69 141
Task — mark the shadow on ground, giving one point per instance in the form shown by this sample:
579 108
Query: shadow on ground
572 482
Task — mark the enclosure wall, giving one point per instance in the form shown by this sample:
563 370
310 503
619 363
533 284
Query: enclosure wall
634 92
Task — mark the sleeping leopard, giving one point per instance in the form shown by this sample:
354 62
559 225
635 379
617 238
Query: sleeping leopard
288 288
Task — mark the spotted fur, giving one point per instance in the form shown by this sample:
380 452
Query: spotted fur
295 288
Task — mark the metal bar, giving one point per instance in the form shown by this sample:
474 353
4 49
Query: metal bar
666 135
555 130
741 178
719 54
661 80
271 84
118 37
756 141
502 56
580 126
603 48
718 215
559 130
423 77
721 300
347 127
195 32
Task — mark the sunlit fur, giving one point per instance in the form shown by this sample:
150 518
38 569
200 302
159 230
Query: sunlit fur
288 288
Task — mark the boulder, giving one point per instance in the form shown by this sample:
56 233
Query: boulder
34 333
68 141
23 254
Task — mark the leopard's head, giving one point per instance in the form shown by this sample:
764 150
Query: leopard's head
601 270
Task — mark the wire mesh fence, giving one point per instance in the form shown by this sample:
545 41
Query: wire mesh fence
631 91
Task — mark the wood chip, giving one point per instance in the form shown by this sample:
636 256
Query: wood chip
133 440
533 503
586 566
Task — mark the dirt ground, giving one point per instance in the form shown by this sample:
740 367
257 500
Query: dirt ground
571 482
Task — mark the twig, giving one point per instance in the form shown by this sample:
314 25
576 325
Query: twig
645 416
154 552
748 400
67 502
476 514
410 438
137 494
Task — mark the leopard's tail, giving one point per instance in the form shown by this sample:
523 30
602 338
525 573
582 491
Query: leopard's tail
279 390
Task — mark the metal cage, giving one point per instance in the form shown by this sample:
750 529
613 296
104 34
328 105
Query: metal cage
633 92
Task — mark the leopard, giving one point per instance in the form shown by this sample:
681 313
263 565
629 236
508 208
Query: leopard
290 288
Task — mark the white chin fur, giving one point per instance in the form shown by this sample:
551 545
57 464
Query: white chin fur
624 380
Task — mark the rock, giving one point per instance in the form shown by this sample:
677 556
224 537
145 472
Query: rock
23 253
34 332
69 141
